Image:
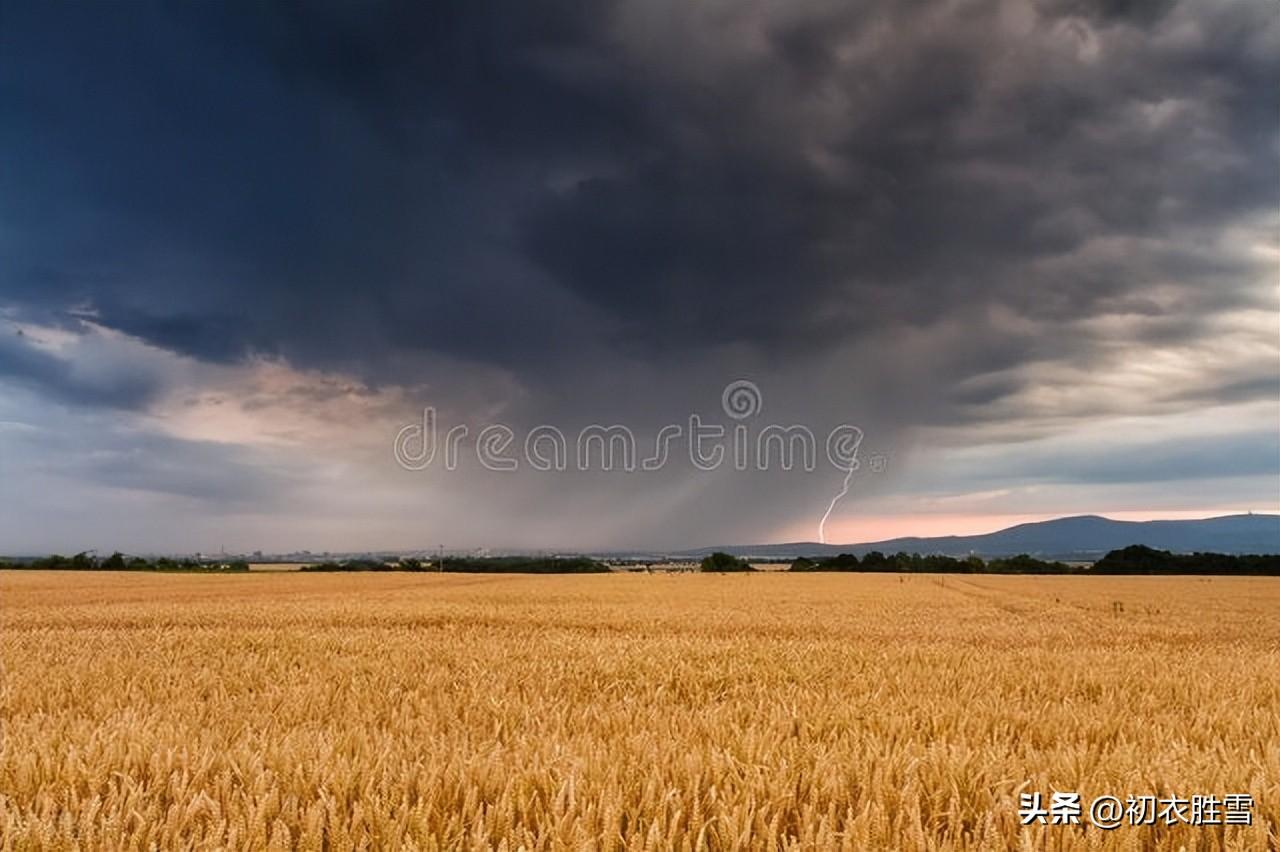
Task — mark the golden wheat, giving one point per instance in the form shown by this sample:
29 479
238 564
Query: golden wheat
627 712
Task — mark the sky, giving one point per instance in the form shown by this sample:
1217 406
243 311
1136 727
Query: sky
1012 260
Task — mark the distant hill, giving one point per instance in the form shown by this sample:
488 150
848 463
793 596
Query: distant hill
1079 537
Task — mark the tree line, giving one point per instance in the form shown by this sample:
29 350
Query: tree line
1135 559
87 561
914 563
470 565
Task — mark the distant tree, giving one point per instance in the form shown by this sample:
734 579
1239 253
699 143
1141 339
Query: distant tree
937 563
473 565
523 565
876 561
114 562
843 562
1136 559
1025 564
719 562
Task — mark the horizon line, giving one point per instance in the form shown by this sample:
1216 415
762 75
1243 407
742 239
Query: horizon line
510 549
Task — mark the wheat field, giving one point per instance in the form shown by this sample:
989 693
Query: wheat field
396 711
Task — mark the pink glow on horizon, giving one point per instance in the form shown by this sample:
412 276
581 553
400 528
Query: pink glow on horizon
867 528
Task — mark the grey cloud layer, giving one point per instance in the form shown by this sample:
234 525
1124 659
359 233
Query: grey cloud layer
919 207
347 184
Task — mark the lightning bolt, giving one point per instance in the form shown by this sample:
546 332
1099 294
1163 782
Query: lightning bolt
844 489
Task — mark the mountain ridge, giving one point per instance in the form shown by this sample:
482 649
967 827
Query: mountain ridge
1073 536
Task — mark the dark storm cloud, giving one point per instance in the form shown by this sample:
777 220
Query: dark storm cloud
353 186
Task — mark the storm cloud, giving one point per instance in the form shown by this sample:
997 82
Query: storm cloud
957 223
